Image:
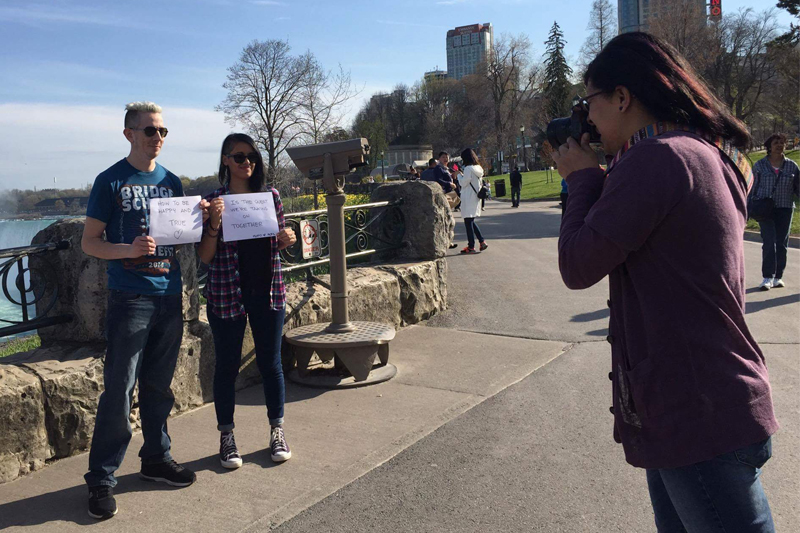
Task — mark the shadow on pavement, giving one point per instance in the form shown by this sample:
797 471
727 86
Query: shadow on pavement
754 307
589 317
70 505
254 395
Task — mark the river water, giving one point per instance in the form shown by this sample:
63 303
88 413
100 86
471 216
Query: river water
14 233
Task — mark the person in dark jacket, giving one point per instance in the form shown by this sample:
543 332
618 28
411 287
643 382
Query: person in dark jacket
692 401
516 186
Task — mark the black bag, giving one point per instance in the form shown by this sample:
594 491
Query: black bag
761 209
483 193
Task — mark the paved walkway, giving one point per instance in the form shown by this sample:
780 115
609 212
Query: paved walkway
498 418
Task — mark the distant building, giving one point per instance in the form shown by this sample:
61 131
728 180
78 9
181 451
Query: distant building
435 75
635 15
467 46
408 153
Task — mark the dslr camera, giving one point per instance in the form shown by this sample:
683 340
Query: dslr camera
561 129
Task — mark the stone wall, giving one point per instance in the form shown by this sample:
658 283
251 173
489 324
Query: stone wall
49 396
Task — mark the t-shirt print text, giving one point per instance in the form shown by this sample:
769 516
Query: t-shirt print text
135 197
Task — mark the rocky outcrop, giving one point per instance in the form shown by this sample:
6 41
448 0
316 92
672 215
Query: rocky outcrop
429 224
81 282
23 439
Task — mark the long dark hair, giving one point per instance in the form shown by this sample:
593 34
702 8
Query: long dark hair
664 82
469 157
259 178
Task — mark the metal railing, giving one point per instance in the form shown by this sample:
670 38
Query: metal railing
32 286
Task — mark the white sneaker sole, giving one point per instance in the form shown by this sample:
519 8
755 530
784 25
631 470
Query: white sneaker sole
282 458
164 480
99 517
232 464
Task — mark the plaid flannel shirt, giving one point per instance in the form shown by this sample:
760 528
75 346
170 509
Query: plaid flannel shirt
223 286
781 186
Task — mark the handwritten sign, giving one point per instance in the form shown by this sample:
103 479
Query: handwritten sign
249 216
309 232
177 220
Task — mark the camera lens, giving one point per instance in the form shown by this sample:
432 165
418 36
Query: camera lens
558 131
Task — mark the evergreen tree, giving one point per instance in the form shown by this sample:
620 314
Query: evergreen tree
556 76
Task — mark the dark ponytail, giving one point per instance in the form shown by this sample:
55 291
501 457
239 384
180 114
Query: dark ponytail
667 86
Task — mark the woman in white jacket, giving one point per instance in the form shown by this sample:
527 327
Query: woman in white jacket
471 182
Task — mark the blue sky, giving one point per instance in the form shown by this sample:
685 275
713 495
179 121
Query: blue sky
69 66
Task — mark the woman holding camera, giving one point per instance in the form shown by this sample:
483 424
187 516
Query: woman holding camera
471 182
777 180
692 402
245 283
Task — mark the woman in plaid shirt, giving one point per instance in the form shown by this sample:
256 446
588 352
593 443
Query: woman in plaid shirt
245 282
777 177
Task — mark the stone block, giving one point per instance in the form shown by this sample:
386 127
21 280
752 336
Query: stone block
82 285
429 224
186 385
23 439
423 289
72 380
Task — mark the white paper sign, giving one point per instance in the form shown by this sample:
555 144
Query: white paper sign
249 216
177 220
309 232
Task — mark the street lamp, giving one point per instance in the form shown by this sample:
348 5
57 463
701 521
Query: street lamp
383 174
522 134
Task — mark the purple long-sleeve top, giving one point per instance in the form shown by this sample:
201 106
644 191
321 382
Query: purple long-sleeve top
689 380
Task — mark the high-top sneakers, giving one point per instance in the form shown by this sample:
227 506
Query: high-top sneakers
228 452
280 451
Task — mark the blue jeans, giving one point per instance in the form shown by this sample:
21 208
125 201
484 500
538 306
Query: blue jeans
267 327
723 494
775 235
472 231
144 337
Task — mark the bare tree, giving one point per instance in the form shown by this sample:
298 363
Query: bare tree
265 88
322 99
683 24
602 28
744 66
509 82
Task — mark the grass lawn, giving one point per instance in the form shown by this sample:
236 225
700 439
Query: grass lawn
20 344
534 185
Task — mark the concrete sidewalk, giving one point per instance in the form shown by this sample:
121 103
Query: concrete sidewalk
335 436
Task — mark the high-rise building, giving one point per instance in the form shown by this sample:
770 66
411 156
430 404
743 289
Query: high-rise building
434 75
467 46
635 15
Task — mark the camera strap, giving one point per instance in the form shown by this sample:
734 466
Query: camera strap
736 156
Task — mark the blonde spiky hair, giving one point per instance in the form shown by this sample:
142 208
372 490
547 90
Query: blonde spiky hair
134 108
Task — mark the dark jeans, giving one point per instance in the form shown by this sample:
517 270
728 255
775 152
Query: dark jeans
267 327
564 197
723 494
144 336
775 235
515 193
472 231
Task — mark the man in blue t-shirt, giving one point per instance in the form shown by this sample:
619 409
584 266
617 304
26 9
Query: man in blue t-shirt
144 321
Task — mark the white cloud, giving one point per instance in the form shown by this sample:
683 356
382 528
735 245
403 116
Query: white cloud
75 143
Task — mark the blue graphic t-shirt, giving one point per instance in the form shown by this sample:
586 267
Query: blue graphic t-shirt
120 198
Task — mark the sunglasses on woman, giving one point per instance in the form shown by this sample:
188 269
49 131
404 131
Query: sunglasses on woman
151 130
239 157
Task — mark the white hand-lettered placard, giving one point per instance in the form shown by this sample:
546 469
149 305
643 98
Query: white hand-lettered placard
249 216
177 220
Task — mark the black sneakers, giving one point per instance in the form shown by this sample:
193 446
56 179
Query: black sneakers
279 450
169 472
102 504
228 452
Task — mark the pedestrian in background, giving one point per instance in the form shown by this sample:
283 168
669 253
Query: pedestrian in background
516 186
564 196
692 401
777 182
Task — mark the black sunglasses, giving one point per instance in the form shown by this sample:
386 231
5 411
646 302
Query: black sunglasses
239 157
151 130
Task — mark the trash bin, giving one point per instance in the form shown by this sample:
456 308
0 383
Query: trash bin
499 188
